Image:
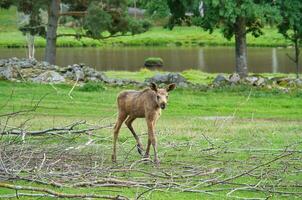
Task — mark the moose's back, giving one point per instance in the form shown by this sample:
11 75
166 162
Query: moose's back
134 103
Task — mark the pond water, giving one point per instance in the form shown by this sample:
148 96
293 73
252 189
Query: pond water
207 59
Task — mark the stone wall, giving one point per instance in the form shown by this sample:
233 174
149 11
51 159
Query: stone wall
15 69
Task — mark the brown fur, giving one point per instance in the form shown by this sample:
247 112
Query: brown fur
141 104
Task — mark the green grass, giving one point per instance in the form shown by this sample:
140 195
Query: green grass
184 102
193 76
264 122
8 20
245 126
156 36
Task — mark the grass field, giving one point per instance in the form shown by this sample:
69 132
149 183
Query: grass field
232 130
193 76
235 142
157 36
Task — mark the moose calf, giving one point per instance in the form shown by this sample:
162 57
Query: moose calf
141 104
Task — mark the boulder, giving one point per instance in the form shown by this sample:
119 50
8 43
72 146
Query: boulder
168 78
69 75
92 74
49 77
283 81
251 80
260 82
220 79
81 72
45 65
26 63
234 78
298 82
79 75
28 73
278 80
120 82
2 62
8 72
30 69
74 72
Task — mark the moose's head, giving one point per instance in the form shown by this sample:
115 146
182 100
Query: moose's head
162 94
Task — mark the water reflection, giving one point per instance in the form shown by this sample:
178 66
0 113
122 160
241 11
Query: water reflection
201 62
274 60
207 59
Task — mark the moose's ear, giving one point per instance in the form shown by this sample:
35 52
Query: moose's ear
153 86
171 87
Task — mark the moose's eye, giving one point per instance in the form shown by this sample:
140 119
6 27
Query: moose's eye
158 97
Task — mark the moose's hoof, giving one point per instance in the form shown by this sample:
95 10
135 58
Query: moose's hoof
140 149
147 156
156 162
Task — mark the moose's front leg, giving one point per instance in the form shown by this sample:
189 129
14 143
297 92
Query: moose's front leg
152 138
147 154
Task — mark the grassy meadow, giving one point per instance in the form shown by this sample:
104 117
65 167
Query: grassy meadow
233 142
230 130
192 75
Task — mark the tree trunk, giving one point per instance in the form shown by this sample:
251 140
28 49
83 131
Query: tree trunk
51 35
297 53
31 45
240 50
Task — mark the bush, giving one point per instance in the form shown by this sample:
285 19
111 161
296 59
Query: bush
92 87
153 61
139 26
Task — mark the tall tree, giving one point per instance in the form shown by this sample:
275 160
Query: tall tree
100 19
29 19
51 36
291 26
234 17
157 9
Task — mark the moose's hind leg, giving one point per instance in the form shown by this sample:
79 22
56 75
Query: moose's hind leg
130 127
121 118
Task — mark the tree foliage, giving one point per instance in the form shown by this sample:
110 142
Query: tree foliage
158 9
99 19
138 3
291 26
33 10
102 16
232 17
34 26
223 14
291 13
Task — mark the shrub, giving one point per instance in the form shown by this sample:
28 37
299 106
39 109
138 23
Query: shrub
92 87
153 61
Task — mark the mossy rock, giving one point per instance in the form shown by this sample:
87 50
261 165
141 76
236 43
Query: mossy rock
154 62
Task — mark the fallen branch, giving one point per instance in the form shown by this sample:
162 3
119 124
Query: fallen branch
58 194
17 195
55 131
111 182
169 176
253 169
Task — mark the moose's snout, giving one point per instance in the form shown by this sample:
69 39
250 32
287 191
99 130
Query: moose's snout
163 106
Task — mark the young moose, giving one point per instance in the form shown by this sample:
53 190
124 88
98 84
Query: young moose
141 104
